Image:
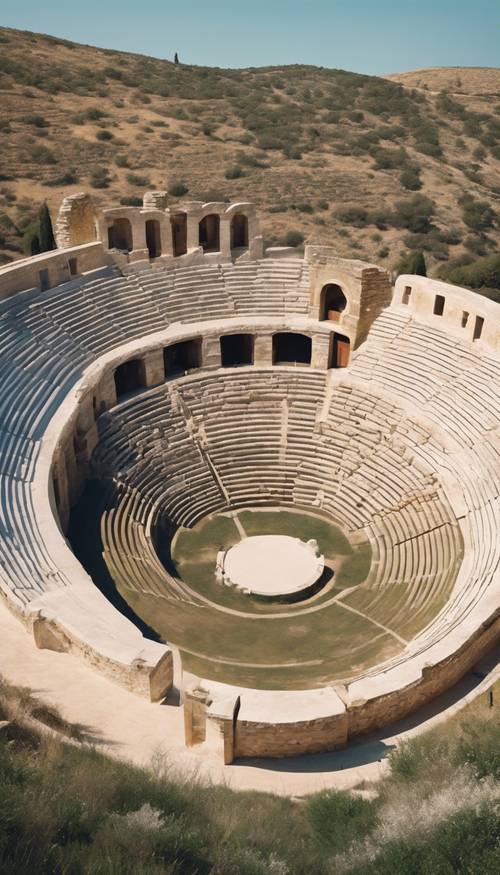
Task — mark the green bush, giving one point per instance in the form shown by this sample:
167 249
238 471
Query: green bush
131 201
234 172
178 189
473 273
99 178
37 120
415 214
410 178
135 179
355 216
293 238
42 155
337 819
104 135
478 215
414 263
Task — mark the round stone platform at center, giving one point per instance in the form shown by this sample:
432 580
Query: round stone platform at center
272 565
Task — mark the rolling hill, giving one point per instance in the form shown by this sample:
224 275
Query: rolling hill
373 166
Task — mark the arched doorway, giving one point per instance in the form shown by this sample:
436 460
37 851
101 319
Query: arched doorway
120 235
340 351
236 349
181 357
291 348
333 302
209 234
153 238
129 377
179 233
239 231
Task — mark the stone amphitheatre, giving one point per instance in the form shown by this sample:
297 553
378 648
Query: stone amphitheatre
182 412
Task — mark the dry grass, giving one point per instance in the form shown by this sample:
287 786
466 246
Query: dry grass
191 123
455 80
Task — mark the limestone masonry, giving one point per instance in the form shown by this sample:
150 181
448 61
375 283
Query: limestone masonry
387 421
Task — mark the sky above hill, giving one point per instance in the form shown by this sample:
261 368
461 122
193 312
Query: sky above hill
366 36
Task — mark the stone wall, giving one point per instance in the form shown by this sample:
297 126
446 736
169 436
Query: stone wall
367 289
51 268
461 310
76 221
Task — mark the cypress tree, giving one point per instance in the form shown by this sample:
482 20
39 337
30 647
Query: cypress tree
419 266
176 58
46 234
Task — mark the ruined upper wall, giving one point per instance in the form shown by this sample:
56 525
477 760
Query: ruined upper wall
460 312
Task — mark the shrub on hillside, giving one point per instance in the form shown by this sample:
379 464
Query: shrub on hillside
387 159
355 216
37 120
42 155
293 238
478 215
410 178
135 179
337 818
415 214
70 177
131 201
412 262
178 189
99 178
104 135
473 273
234 172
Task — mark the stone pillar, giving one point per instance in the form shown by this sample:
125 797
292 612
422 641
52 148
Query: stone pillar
263 350
59 475
195 716
193 237
210 352
140 250
106 392
225 237
320 353
154 367
222 714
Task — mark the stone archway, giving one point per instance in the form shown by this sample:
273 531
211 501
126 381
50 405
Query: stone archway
209 233
333 302
120 235
239 231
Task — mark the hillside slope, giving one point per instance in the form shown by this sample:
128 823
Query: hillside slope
325 152
455 80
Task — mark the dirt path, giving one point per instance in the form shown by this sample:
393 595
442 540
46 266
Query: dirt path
127 726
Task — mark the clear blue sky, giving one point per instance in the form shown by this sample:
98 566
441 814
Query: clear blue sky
367 36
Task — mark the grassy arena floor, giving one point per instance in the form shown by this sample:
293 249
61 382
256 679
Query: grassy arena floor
250 642
225 635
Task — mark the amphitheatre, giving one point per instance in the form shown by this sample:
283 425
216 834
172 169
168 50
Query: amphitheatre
174 395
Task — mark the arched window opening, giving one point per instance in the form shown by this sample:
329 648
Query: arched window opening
209 234
239 231
340 351
182 357
291 348
129 377
179 233
120 235
153 238
333 302
236 349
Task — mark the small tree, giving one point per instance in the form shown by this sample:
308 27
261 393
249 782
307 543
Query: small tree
413 263
419 265
45 232
176 58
